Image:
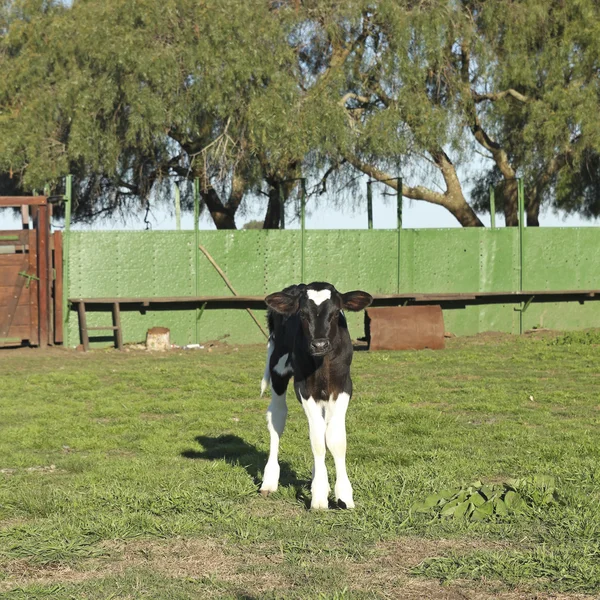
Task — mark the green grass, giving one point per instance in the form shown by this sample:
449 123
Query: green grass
129 475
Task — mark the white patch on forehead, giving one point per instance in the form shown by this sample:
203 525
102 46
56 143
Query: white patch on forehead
318 297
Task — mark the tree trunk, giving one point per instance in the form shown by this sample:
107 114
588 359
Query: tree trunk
533 212
463 213
223 217
511 211
453 201
273 216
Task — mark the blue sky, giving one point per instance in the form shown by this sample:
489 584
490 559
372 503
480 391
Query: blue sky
416 214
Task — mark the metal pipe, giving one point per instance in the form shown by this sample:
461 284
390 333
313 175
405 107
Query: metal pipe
493 206
302 226
399 227
369 205
66 248
177 208
197 251
521 206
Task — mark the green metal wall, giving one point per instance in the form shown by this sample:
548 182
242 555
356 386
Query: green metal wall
162 263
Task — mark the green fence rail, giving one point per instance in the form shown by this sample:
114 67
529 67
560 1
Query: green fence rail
165 263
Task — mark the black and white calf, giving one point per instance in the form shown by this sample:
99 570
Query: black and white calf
310 341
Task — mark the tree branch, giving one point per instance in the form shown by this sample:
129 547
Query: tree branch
493 97
353 96
415 193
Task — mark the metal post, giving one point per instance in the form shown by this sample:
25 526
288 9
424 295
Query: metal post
399 225
177 207
369 205
493 206
302 226
197 251
66 247
521 207
281 206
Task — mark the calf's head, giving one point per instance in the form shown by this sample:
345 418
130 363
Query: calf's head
318 307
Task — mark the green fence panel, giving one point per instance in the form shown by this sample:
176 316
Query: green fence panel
562 259
162 263
464 260
125 264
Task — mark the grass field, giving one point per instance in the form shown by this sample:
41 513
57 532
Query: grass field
129 475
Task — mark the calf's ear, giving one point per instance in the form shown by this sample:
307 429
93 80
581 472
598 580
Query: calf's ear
356 300
282 303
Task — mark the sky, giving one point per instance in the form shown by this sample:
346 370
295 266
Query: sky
416 214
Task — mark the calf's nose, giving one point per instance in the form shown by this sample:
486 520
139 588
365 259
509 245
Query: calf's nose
320 346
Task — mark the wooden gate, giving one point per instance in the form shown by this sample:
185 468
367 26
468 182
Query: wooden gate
30 277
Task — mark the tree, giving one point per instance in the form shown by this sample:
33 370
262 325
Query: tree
127 94
434 82
250 96
541 102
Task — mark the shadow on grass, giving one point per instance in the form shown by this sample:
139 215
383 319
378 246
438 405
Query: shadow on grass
235 451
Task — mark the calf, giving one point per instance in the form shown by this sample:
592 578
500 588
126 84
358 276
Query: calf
309 339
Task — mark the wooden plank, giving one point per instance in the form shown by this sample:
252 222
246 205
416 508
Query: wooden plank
6 320
50 270
12 236
10 273
5 298
23 332
167 300
58 288
42 229
21 312
83 331
116 312
23 200
25 216
33 288
8 260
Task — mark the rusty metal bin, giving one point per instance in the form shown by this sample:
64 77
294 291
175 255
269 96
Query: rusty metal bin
405 328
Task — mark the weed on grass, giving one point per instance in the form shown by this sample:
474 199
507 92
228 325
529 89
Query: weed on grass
136 475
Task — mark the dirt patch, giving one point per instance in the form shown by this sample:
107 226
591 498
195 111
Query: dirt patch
180 558
261 569
481 339
21 573
43 470
388 574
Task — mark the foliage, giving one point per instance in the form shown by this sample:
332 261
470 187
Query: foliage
249 96
254 225
589 337
480 502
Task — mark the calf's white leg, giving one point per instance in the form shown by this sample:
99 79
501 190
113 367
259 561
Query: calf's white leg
276 417
316 425
335 418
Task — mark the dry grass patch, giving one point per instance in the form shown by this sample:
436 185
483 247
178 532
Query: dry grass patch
261 569
387 574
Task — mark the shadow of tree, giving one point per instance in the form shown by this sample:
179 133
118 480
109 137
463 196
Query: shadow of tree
236 451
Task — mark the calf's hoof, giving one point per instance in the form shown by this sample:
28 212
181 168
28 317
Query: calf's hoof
270 479
319 504
343 494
